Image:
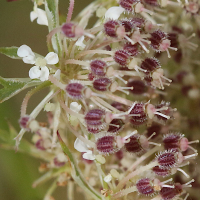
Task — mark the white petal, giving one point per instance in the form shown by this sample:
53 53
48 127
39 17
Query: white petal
33 16
80 43
75 107
52 58
34 72
114 12
24 51
42 17
44 74
57 74
108 178
80 146
29 59
88 155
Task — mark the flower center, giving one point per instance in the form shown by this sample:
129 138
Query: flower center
40 62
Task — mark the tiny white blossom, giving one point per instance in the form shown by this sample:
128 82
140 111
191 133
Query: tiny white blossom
40 70
49 107
26 53
82 147
75 107
114 12
100 159
34 125
80 43
40 15
107 178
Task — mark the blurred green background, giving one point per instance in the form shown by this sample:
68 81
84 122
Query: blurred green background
18 171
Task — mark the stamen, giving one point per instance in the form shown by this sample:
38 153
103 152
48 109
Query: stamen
180 170
120 78
154 133
190 156
162 115
188 183
156 144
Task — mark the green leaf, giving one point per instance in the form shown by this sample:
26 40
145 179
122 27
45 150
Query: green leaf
12 87
10 52
51 7
76 174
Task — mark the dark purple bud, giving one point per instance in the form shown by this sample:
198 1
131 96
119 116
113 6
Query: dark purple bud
95 119
23 121
57 163
134 146
106 145
122 57
115 126
178 56
127 25
156 39
161 171
155 128
170 193
151 2
177 29
139 116
145 187
128 4
171 140
91 76
93 130
167 159
68 30
119 106
119 154
173 37
110 28
101 84
133 50
185 89
138 22
75 90
148 79
180 76
40 144
150 64
138 87
98 67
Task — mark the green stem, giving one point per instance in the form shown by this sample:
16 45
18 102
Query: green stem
76 173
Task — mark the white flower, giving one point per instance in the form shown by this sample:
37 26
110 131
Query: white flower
107 178
26 53
82 147
80 43
114 12
75 107
40 70
40 15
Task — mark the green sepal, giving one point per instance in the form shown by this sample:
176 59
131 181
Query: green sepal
12 87
10 52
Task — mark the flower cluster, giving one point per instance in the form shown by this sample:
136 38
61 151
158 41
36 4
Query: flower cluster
111 123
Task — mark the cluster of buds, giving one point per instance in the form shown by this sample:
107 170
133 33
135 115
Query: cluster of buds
105 83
